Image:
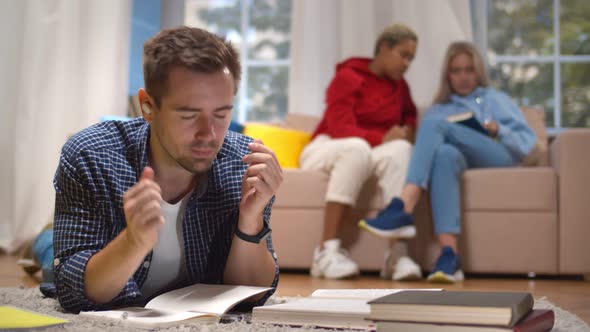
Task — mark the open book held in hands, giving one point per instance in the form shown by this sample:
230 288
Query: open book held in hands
196 303
333 308
468 119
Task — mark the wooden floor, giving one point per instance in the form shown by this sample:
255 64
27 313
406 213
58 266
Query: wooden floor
572 295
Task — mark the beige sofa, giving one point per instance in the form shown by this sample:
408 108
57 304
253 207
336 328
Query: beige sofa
515 220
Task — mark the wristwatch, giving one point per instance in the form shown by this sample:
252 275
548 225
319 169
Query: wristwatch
254 238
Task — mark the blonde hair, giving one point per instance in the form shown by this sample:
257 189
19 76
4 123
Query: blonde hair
393 35
456 48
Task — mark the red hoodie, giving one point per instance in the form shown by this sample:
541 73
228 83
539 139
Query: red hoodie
361 104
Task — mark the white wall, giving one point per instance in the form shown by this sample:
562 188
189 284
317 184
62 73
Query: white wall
65 65
11 29
172 13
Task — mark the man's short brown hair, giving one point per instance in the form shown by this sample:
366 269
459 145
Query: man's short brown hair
192 48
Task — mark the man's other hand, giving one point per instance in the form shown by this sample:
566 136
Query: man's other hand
143 214
260 182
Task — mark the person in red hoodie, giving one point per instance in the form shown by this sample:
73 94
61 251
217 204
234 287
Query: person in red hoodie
367 129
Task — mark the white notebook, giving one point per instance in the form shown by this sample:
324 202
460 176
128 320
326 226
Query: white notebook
333 308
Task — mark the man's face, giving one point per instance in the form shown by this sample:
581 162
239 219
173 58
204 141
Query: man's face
399 58
462 76
193 117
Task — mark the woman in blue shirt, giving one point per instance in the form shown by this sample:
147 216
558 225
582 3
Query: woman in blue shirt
445 149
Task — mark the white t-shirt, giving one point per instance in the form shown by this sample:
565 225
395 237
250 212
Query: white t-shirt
167 266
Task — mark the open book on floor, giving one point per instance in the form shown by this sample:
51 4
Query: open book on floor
468 119
196 303
453 307
334 308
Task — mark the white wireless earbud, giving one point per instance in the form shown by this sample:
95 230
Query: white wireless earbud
146 108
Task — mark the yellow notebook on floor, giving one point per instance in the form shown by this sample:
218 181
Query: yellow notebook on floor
14 318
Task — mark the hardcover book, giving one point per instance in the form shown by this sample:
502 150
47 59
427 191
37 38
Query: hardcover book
539 320
454 307
468 119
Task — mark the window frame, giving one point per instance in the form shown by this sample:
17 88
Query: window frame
480 11
244 102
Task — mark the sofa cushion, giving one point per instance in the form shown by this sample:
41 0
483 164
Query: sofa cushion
287 144
514 189
302 122
302 189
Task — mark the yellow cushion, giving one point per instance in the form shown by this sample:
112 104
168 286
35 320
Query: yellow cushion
287 144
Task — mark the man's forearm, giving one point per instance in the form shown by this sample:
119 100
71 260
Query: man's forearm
108 271
249 264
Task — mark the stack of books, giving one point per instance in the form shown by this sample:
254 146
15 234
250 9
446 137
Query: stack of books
327 308
418 311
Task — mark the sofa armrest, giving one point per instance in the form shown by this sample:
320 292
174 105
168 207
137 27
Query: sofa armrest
571 160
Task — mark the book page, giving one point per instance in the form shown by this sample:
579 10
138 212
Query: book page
324 312
365 294
204 298
138 316
460 116
324 306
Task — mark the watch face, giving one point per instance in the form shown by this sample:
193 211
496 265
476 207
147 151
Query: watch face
266 234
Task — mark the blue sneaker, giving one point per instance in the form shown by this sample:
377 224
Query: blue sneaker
391 222
448 268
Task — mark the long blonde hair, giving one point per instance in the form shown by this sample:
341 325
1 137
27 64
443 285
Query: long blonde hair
456 48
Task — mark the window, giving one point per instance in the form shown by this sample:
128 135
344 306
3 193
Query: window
539 53
260 29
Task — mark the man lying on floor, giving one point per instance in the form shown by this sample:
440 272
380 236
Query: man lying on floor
170 199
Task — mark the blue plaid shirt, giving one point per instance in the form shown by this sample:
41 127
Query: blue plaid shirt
99 164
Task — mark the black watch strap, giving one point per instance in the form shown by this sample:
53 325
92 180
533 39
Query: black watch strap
254 238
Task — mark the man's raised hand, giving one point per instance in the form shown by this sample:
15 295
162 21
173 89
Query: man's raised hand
261 180
143 213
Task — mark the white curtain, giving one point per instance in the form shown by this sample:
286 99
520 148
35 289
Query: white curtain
328 31
67 66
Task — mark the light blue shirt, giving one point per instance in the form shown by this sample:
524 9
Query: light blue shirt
513 130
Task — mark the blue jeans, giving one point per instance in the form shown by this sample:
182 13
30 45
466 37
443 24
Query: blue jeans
442 152
43 251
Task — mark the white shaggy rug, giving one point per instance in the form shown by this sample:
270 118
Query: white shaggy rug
32 299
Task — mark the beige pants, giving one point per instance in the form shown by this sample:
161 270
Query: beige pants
351 161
